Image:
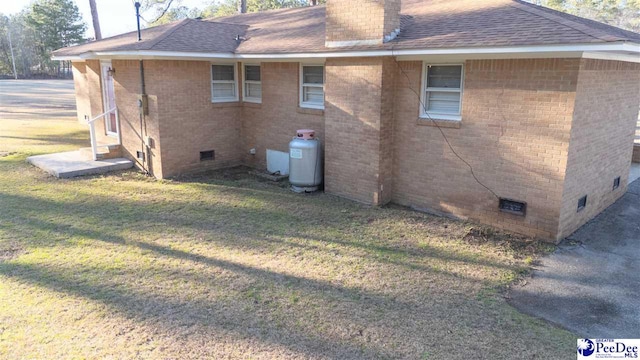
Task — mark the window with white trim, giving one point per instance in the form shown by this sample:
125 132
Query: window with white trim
223 83
312 86
252 84
442 92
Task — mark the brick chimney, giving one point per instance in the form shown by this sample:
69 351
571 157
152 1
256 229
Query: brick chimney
361 22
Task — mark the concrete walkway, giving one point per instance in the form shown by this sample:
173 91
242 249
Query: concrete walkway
72 163
591 284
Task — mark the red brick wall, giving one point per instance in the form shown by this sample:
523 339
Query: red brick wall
348 20
636 153
604 121
387 119
272 124
516 118
82 90
183 121
94 82
127 90
358 127
189 121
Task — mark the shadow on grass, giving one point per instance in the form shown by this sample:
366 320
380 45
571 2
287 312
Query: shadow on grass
167 312
76 138
259 228
260 219
319 288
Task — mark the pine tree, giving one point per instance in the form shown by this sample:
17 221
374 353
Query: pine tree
56 23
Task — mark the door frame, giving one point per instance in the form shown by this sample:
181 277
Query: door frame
105 103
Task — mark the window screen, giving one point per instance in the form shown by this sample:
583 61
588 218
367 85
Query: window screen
443 90
223 83
312 86
252 83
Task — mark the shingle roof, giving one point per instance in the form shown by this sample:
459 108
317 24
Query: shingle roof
186 35
469 23
425 24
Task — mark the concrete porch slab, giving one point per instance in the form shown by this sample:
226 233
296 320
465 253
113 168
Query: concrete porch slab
71 164
635 172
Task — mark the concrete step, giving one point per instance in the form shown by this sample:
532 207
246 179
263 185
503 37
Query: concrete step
73 163
104 152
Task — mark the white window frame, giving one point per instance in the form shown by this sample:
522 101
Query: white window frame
234 81
425 87
304 104
245 82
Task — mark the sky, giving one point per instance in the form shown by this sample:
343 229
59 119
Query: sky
116 16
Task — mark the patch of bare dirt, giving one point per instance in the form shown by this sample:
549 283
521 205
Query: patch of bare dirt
10 251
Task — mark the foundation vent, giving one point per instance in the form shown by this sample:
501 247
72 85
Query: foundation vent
616 183
207 155
582 203
513 207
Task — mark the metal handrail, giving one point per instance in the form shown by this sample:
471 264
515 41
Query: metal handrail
103 114
92 130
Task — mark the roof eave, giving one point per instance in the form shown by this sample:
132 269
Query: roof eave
623 51
72 58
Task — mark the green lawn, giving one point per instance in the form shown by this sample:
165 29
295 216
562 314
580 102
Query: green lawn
226 266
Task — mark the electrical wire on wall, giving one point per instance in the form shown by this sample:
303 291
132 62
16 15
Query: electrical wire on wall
143 121
435 123
141 102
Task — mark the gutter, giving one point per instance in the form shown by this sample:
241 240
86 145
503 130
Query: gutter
626 51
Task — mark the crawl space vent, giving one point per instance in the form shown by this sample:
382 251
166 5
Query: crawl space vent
207 155
513 207
616 183
582 203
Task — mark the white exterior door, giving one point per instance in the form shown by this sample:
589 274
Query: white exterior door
109 99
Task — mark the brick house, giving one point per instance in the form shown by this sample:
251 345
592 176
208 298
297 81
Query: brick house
541 105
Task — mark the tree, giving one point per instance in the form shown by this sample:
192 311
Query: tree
621 13
6 66
171 10
56 24
177 13
223 8
23 39
95 20
261 5
161 8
